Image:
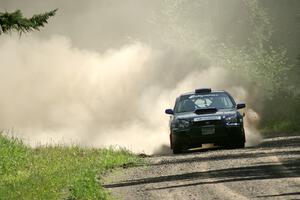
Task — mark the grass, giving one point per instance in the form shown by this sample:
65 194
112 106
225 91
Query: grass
281 126
56 172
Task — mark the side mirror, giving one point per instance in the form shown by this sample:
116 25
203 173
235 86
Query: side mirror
169 111
240 105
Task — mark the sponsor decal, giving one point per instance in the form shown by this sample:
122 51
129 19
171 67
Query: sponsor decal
207 118
201 96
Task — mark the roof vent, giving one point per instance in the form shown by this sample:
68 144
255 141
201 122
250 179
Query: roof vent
203 90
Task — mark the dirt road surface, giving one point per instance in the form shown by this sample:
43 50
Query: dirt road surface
270 170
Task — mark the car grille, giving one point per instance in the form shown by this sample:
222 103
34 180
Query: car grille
207 122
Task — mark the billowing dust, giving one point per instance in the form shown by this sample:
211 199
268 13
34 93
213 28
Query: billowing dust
55 93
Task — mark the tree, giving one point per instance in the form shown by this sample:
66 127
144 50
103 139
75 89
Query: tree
16 22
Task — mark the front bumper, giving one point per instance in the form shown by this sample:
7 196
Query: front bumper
194 137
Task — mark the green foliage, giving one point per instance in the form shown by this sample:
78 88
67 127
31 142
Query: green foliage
260 63
56 172
284 126
294 77
261 24
267 70
255 57
16 22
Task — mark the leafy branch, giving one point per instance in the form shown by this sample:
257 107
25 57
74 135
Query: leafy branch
16 22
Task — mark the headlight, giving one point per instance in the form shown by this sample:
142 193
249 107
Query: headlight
232 120
181 124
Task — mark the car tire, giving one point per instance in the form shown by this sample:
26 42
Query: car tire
240 145
235 145
177 151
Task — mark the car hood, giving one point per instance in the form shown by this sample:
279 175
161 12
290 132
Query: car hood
192 115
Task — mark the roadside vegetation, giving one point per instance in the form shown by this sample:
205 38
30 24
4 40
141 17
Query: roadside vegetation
56 172
260 58
269 72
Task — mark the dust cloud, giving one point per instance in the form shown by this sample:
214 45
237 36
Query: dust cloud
251 117
55 93
106 85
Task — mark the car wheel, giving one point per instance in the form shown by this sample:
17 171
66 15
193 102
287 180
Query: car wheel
240 145
177 150
237 145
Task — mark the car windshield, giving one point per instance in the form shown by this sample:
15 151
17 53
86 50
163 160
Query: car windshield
190 103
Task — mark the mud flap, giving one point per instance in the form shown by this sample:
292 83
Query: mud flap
171 141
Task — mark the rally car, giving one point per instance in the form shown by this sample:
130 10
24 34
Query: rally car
206 116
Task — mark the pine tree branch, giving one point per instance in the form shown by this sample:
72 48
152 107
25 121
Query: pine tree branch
16 22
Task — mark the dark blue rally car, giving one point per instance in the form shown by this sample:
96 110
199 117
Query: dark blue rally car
206 116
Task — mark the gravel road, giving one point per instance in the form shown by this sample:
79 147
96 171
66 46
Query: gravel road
270 170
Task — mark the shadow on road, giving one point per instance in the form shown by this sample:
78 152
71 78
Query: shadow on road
278 195
243 155
258 172
281 142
